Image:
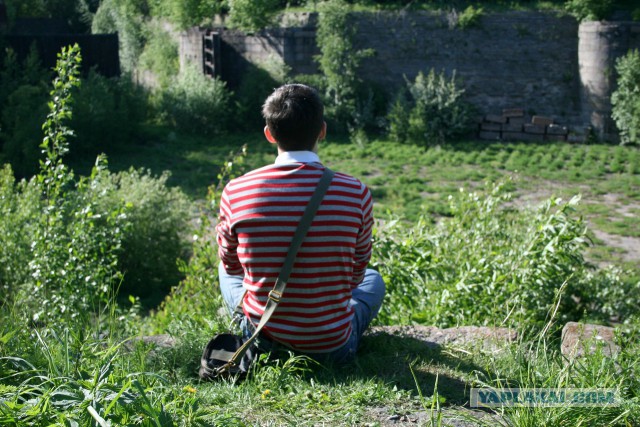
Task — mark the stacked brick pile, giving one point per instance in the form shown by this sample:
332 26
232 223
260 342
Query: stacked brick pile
512 126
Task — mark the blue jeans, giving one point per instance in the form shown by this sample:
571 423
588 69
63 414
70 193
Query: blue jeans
366 300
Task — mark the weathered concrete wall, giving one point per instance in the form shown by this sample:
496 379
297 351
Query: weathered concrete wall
601 44
510 60
190 47
528 60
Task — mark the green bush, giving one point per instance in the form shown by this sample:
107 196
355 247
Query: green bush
589 10
73 249
398 117
67 242
434 113
196 103
339 63
107 113
20 203
77 13
470 17
155 234
160 55
127 18
626 98
199 291
188 13
489 264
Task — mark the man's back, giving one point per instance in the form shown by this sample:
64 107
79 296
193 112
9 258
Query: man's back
259 215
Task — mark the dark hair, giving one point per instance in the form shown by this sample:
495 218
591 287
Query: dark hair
294 114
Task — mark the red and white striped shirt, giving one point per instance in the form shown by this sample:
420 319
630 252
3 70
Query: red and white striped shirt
259 214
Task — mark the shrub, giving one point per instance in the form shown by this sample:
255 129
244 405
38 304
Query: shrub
73 243
339 62
436 111
160 55
589 10
107 113
199 291
154 238
20 203
470 17
66 241
626 98
126 18
77 13
195 102
489 263
398 117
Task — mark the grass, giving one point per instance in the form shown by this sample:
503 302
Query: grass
65 377
93 373
406 180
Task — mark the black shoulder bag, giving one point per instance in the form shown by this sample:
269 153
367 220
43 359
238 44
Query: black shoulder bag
228 355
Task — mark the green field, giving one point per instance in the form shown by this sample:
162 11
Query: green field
408 180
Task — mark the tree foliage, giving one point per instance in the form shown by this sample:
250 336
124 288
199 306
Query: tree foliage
626 98
589 10
339 60
127 18
252 15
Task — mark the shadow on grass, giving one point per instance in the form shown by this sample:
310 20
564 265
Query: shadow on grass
409 364
193 161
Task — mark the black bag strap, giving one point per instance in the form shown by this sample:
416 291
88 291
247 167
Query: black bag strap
275 295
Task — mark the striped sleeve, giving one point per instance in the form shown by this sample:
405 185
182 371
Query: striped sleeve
363 244
227 239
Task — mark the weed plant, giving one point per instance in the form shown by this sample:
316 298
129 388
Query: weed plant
194 102
431 110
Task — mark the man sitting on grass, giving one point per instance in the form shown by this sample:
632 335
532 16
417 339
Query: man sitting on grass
331 296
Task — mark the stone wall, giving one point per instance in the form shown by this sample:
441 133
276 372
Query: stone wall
541 62
601 44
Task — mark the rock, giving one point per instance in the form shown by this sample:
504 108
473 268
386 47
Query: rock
486 336
534 128
578 338
494 118
513 112
541 121
489 135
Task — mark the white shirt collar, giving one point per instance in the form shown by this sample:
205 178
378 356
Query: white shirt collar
289 157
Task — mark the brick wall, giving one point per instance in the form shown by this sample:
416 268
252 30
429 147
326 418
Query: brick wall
527 60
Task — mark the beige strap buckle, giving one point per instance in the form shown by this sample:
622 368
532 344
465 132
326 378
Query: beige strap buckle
275 296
